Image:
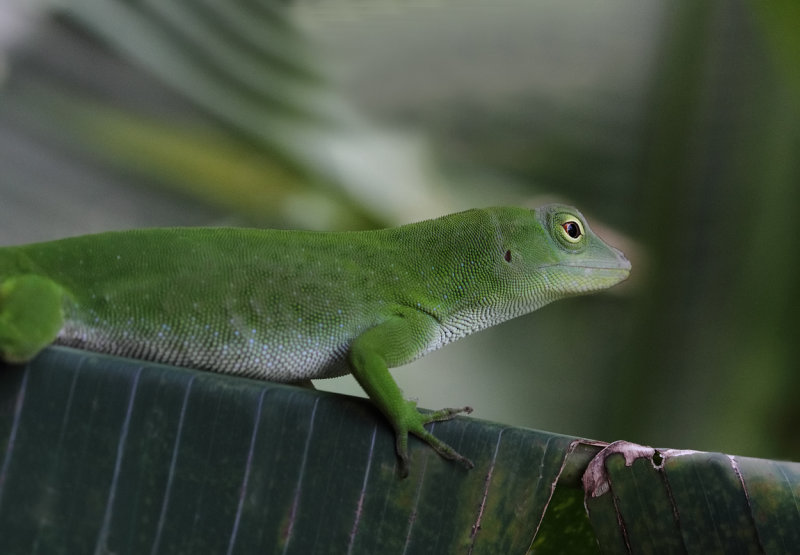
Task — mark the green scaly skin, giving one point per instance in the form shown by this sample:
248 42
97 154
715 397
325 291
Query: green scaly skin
290 306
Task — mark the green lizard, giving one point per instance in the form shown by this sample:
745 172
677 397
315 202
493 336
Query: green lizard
291 306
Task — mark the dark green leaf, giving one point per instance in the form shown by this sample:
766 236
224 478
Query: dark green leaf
644 500
112 455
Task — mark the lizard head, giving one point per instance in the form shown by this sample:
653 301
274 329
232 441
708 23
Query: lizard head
555 254
579 261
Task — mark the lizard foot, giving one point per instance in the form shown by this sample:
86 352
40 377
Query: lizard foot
414 423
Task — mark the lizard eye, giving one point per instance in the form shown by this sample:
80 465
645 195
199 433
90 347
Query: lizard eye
568 229
572 228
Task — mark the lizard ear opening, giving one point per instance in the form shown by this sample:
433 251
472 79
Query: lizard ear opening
507 256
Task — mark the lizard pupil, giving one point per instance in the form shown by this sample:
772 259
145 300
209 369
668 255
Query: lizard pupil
572 229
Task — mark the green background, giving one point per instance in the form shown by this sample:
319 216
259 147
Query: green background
673 125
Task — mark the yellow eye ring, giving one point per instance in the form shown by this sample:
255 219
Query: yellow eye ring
567 228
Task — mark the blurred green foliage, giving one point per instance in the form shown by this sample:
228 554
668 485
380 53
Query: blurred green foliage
676 124
714 348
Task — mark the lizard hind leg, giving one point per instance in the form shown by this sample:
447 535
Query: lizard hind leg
31 315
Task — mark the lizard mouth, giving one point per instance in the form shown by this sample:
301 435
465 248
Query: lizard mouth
620 266
591 275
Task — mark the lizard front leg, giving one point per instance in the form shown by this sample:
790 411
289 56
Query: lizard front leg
395 341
